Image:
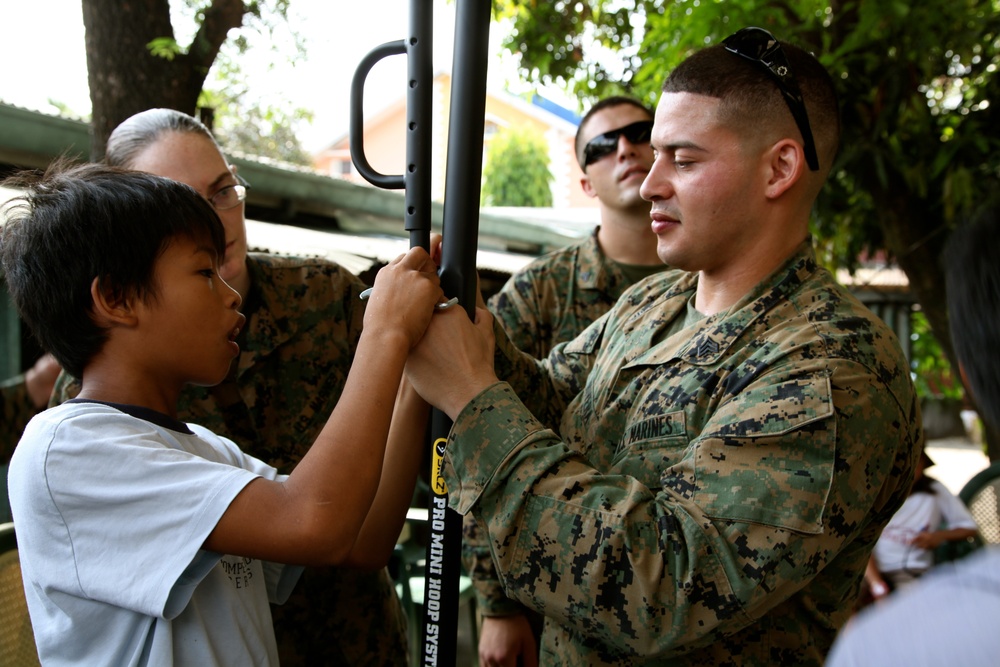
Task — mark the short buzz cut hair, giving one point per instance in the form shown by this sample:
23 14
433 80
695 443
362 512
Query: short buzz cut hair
751 99
75 223
972 286
601 105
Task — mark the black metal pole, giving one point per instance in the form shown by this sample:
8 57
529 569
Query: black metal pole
458 278
419 50
458 252
419 91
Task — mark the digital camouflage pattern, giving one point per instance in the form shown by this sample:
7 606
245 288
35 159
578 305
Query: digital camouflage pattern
17 409
304 319
558 295
550 300
715 494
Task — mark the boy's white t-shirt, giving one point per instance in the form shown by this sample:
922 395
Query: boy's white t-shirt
111 510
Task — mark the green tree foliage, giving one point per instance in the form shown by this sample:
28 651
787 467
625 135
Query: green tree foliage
932 374
517 170
918 85
254 126
262 130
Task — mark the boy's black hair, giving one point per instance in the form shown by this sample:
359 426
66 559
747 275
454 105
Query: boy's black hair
972 284
76 223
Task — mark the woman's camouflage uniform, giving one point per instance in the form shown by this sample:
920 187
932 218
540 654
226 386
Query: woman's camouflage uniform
715 494
304 319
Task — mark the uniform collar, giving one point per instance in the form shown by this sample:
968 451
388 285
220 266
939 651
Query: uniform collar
717 333
714 340
595 270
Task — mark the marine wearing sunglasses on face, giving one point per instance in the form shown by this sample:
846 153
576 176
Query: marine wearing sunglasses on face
607 143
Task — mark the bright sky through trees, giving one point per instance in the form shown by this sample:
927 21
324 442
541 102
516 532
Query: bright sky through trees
43 48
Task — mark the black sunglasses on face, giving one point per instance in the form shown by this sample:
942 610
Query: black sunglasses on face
760 46
607 143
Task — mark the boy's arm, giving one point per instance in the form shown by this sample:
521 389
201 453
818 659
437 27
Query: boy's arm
403 455
316 514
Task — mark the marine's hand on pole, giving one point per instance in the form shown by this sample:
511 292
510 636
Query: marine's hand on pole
453 362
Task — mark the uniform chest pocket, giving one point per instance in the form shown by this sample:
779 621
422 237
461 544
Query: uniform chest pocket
768 454
650 446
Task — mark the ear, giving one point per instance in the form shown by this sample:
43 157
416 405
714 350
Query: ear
111 310
587 186
785 166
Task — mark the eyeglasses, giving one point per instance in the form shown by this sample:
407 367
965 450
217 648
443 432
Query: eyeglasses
760 46
607 143
230 196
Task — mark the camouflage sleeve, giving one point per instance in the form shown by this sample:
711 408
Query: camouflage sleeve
507 306
17 410
548 385
490 597
65 388
517 309
658 571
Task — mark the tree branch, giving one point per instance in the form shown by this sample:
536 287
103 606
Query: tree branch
220 17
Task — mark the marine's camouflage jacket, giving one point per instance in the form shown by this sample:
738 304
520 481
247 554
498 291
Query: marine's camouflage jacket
558 295
715 494
304 319
550 300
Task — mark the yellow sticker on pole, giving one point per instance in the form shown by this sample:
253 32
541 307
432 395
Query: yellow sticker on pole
437 468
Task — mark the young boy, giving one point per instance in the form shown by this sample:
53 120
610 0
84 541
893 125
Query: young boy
144 540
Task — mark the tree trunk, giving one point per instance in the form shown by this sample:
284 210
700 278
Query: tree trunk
125 78
917 238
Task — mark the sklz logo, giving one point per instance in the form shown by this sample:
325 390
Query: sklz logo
437 468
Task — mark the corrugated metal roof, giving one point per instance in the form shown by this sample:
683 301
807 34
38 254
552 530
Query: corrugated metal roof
357 253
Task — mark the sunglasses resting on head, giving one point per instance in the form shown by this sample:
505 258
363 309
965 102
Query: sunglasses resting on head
760 46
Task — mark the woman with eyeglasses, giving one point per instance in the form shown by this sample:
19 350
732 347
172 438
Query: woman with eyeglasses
304 319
